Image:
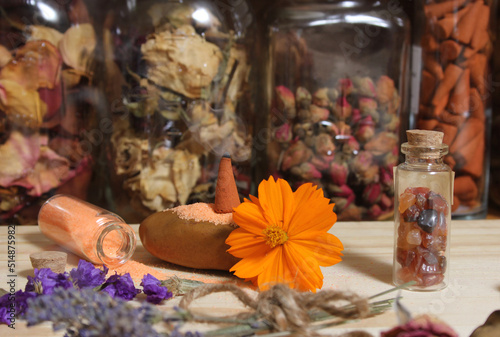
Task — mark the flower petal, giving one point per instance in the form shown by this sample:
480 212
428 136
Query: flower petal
312 215
244 243
306 267
248 268
250 217
325 247
271 201
273 270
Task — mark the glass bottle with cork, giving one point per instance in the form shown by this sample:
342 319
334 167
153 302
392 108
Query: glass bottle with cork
423 187
91 232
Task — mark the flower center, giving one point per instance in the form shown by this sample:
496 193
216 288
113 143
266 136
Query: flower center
275 236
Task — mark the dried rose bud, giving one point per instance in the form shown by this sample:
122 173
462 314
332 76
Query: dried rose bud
342 203
365 86
421 326
361 162
343 109
382 143
303 98
304 115
366 130
333 94
283 133
306 171
372 193
374 212
343 130
393 123
303 130
295 155
343 191
322 162
345 86
386 202
351 147
391 159
355 117
367 105
318 114
386 177
324 145
285 101
338 172
320 98
385 89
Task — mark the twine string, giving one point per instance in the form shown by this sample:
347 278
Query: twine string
286 309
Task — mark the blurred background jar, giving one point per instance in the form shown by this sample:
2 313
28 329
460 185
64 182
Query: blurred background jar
47 104
334 90
456 87
179 95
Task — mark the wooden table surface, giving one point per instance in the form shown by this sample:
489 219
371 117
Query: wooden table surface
473 293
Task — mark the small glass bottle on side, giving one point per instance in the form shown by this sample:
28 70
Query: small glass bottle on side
423 194
89 231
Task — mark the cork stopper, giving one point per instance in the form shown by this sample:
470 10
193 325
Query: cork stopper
425 138
54 260
226 193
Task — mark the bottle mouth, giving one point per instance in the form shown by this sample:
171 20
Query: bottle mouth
115 245
425 151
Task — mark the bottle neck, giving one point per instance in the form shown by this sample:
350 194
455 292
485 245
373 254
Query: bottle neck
417 160
115 240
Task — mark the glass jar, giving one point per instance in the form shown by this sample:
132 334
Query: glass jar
423 189
334 91
183 101
455 92
89 231
46 105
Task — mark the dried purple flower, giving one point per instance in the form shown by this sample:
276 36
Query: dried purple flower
19 300
154 290
46 280
86 275
120 286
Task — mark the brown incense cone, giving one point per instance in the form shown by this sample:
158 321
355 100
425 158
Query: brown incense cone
473 154
465 188
451 75
429 42
451 118
226 193
471 129
477 67
427 124
449 50
437 10
450 131
466 26
433 66
476 105
460 95
428 86
444 27
481 30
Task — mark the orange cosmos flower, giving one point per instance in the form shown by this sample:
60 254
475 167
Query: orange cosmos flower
283 236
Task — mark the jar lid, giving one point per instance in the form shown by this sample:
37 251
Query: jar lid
425 138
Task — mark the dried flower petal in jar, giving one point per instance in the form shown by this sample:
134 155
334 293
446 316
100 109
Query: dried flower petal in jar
423 185
334 95
184 103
